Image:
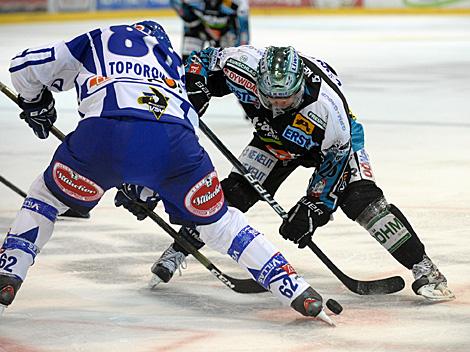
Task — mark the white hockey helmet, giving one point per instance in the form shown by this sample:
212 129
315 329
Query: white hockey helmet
281 78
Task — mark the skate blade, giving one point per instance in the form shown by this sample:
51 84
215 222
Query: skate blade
325 318
154 282
436 294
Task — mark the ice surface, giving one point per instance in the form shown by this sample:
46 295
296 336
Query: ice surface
407 79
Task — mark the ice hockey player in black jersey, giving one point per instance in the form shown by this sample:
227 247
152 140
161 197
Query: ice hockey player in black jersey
214 23
301 118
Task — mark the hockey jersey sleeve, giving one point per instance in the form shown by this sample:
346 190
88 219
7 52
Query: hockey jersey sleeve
52 66
210 61
328 179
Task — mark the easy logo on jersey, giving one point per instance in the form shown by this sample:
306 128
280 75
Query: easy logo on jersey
205 198
75 185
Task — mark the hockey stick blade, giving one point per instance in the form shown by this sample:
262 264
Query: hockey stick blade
373 287
237 285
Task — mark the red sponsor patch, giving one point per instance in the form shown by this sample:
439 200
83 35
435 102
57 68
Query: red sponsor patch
74 184
280 154
205 198
97 80
195 68
289 269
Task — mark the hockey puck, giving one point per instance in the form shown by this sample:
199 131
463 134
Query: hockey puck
334 306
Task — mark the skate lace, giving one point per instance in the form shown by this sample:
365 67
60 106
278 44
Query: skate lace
173 260
427 268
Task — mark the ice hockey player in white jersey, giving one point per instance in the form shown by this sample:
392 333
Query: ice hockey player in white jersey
136 133
301 118
214 23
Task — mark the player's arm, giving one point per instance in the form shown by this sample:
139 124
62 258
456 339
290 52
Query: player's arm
35 73
185 11
315 208
204 78
242 27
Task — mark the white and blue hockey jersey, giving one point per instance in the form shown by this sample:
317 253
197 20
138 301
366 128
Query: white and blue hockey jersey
118 72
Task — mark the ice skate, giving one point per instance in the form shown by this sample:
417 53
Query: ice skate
429 282
310 304
164 268
9 285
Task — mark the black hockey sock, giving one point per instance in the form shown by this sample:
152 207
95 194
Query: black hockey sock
412 250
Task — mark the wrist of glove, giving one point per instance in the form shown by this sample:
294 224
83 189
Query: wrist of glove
136 199
303 219
196 86
40 115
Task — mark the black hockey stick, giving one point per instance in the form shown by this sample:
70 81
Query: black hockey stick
68 214
373 287
12 187
237 285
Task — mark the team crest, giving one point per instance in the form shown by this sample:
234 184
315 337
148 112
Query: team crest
156 101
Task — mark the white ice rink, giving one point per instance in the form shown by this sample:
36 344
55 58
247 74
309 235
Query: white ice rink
408 81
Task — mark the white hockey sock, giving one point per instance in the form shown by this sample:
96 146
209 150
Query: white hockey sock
30 230
252 251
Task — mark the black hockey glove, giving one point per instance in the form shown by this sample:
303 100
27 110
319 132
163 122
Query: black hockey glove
303 219
196 85
40 116
136 199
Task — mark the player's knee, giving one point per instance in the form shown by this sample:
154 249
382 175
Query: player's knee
358 196
239 193
38 190
220 234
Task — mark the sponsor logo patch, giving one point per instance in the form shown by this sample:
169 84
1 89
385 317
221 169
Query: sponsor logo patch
298 137
205 198
96 81
195 68
248 84
302 123
156 101
74 184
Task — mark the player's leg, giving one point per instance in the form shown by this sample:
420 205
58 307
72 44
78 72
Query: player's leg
195 197
365 203
30 231
76 178
239 193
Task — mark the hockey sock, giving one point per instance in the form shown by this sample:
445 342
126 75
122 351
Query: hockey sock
392 230
252 251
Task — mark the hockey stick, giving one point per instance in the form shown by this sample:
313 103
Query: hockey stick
12 186
374 287
10 94
68 214
237 285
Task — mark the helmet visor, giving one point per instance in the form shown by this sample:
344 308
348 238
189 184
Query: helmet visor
283 103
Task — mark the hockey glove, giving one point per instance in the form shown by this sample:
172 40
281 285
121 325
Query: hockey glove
40 116
196 85
136 199
303 219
